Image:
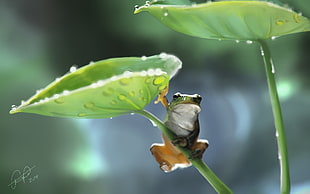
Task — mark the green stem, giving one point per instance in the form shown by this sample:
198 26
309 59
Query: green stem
202 167
277 114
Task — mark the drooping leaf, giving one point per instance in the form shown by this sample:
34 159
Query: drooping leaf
104 89
232 20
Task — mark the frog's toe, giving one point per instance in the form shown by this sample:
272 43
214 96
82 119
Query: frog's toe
165 166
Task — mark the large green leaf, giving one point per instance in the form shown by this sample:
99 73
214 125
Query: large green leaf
105 88
234 20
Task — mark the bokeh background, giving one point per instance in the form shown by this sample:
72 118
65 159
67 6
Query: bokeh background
41 39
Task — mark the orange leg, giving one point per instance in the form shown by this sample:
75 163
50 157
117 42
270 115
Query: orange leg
162 97
199 148
168 156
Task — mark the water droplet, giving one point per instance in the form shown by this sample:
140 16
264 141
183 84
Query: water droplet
111 118
127 74
124 81
279 22
81 114
108 92
132 93
66 92
249 41
237 41
147 3
13 107
113 102
297 18
143 73
164 56
59 100
132 113
89 105
262 52
162 87
158 71
122 97
159 80
143 58
136 7
151 72
142 99
148 80
272 67
38 91
166 14
273 37
73 69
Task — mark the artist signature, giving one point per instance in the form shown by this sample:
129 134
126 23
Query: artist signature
22 176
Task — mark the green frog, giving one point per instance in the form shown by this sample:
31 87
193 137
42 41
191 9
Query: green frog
182 120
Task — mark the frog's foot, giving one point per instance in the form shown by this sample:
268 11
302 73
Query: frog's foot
198 149
180 141
162 97
167 158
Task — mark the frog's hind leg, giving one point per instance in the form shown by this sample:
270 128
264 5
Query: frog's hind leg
199 148
168 156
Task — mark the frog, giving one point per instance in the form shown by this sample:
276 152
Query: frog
182 120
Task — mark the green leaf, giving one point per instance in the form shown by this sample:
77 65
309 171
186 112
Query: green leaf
231 20
104 89
170 2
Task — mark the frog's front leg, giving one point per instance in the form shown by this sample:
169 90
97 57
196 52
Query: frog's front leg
162 97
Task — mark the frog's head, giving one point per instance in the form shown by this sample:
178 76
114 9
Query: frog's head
179 98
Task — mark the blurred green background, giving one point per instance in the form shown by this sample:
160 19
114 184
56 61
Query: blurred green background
41 39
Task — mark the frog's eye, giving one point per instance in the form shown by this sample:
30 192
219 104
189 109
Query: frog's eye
176 95
197 98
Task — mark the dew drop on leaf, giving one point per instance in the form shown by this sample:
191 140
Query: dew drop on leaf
108 92
159 80
73 69
148 80
143 58
122 97
132 93
59 100
124 81
82 114
279 22
296 18
89 105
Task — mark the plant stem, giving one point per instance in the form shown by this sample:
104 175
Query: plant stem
202 167
277 114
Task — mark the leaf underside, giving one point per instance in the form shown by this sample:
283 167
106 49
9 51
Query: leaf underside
231 20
